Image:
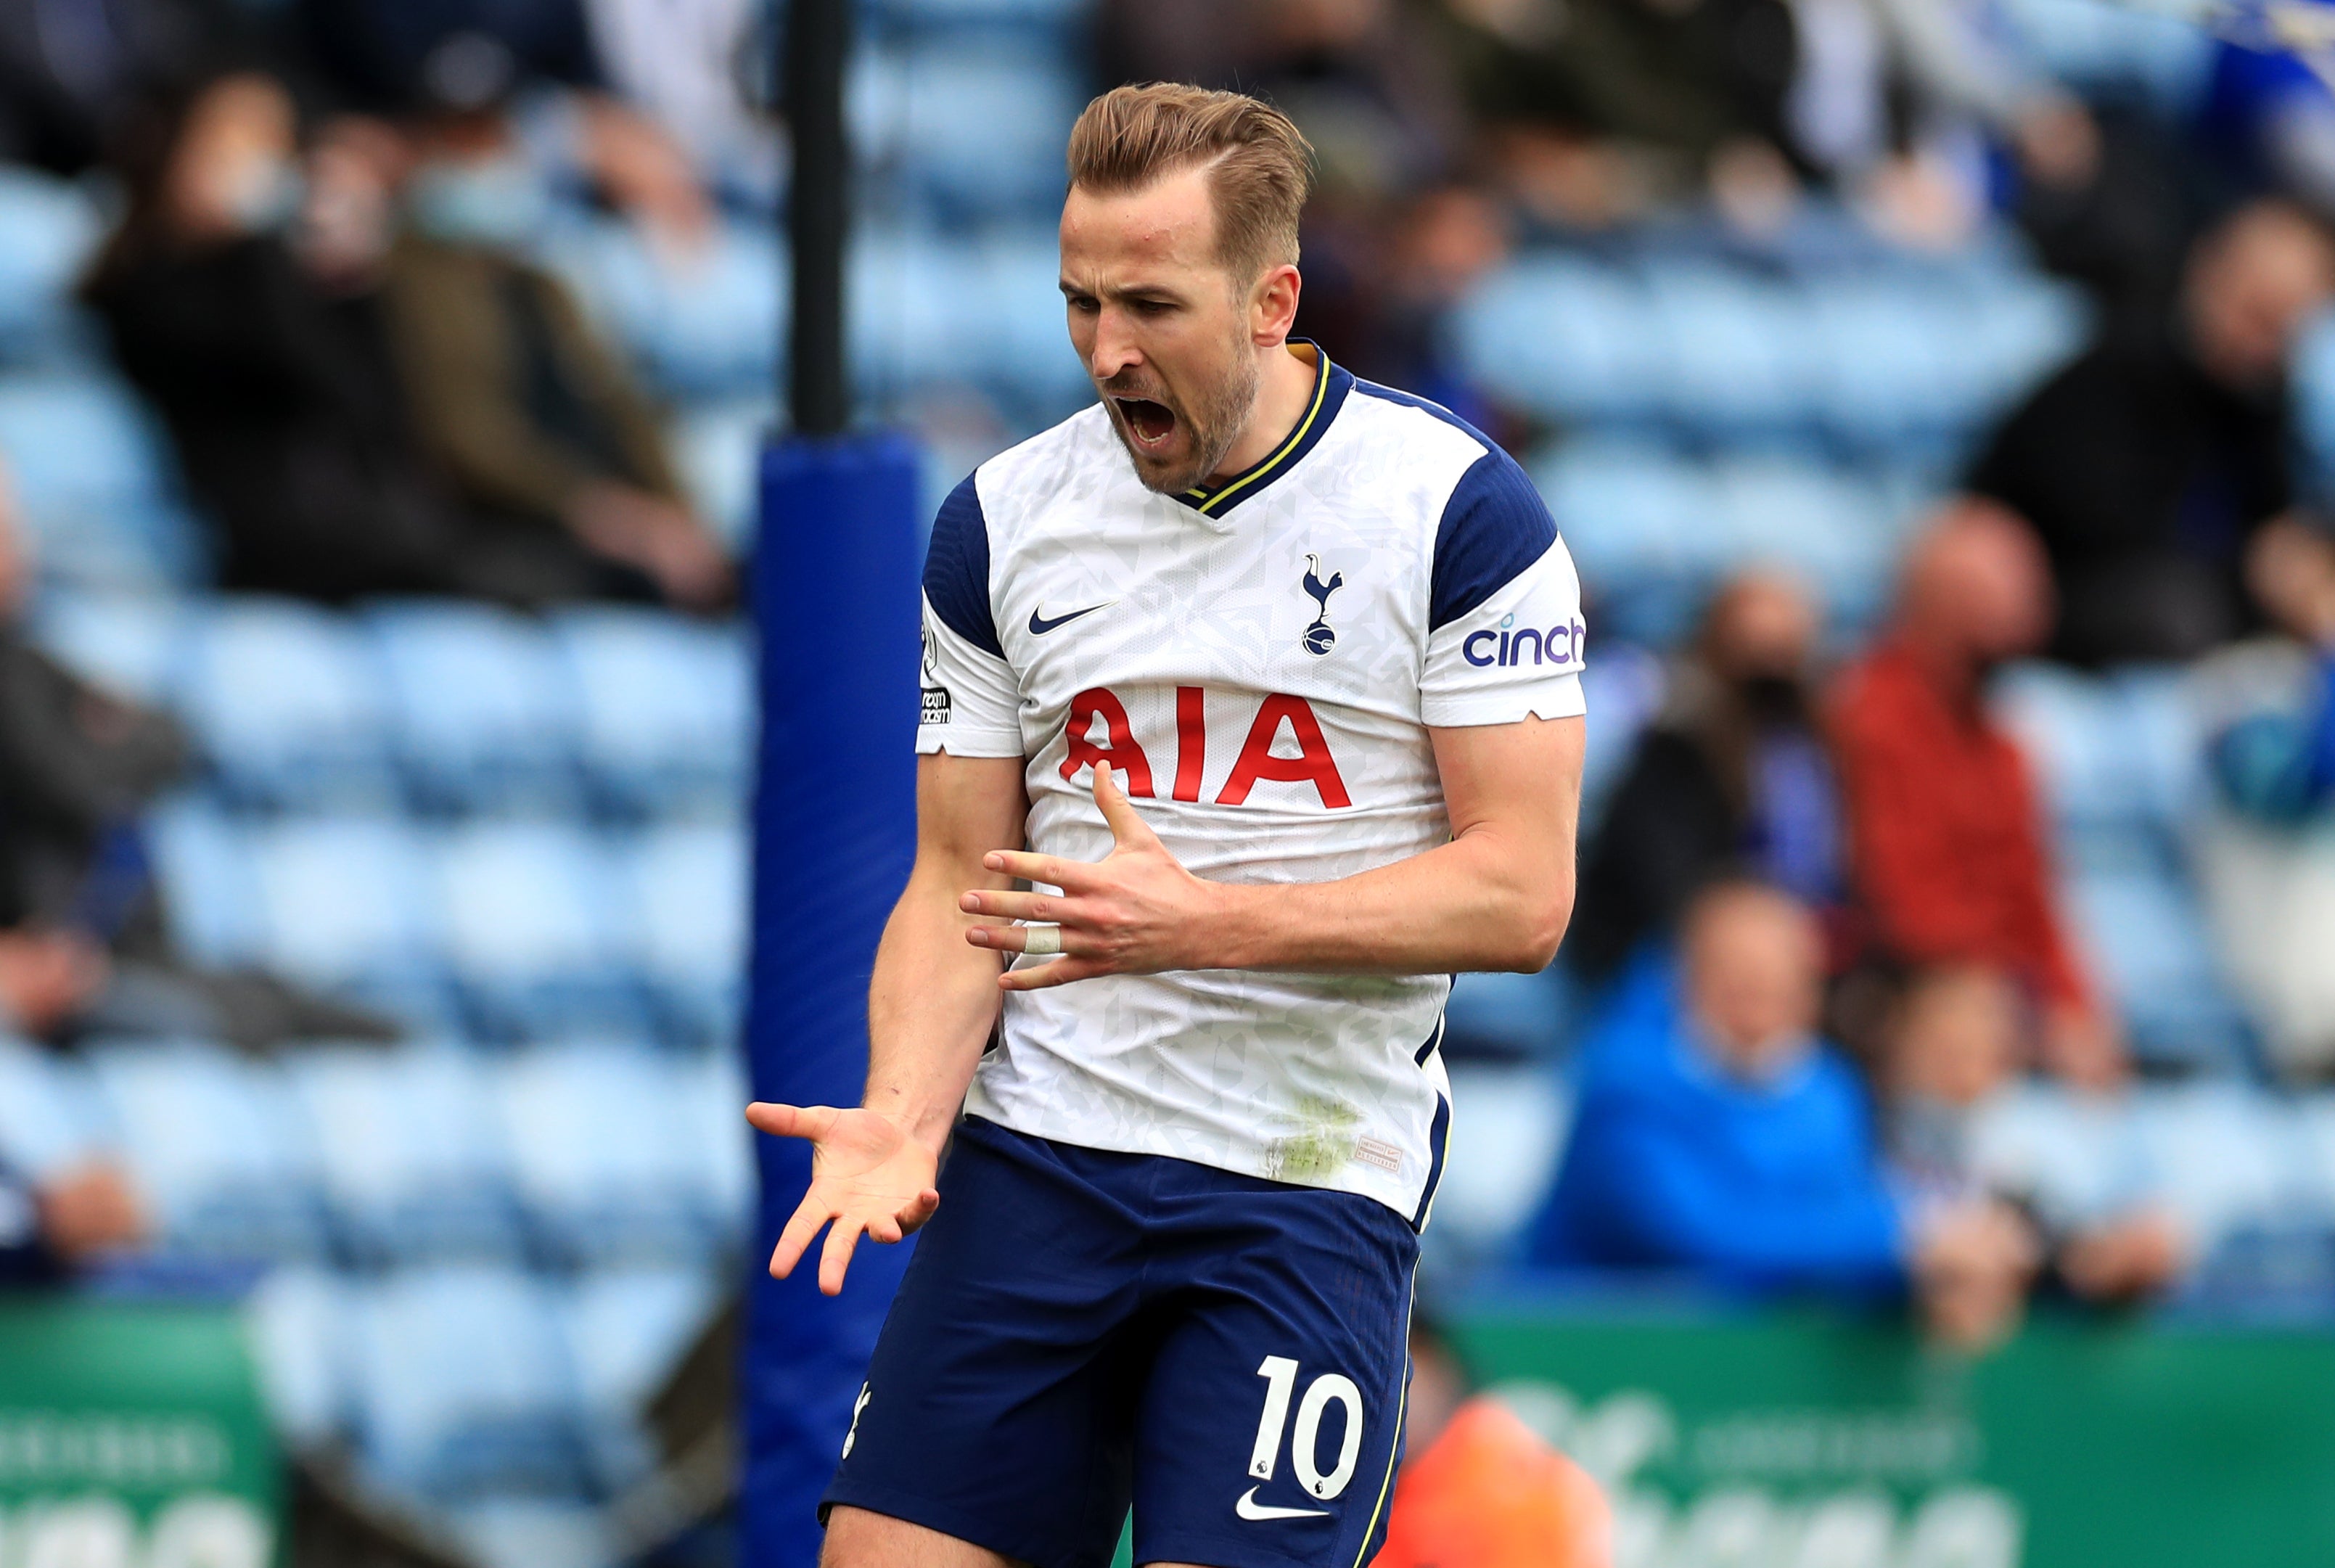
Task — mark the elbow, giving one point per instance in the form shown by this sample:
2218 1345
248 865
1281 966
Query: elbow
1537 933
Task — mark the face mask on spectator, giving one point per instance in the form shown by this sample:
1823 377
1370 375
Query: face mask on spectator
499 202
260 194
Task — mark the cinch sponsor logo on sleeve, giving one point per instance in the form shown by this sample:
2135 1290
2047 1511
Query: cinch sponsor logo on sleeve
1559 644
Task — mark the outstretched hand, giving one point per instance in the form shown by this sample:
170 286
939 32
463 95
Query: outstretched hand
866 1174
1136 911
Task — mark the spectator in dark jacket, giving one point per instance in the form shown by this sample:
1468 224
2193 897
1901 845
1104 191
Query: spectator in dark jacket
269 364
2150 464
528 411
1732 775
1717 1136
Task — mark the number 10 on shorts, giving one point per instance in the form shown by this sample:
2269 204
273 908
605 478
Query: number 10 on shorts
1280 1375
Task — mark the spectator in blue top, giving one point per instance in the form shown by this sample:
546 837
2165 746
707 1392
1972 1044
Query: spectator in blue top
1717 1136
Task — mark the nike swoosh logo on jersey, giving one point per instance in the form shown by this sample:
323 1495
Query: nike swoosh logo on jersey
1040 626
1248 1507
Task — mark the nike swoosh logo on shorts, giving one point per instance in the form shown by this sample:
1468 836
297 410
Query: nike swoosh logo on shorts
1248 1507
1040 626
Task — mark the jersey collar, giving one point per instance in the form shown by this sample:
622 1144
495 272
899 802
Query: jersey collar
1330 387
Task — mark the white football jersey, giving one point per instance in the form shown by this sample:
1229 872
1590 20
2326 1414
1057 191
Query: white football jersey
1260 665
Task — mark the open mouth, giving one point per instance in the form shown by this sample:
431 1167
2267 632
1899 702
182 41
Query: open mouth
1151 424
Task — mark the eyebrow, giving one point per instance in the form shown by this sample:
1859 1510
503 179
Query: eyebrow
1125 291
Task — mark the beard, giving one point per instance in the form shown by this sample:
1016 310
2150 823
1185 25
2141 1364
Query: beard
1148 417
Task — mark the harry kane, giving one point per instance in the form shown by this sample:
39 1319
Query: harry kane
1252 713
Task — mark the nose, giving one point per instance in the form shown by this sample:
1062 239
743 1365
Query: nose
1115 348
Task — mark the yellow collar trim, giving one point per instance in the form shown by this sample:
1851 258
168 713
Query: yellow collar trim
1321 390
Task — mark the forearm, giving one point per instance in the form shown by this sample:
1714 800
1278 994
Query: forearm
930 1009
1484 900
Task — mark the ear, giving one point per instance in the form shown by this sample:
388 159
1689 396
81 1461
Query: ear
1272 304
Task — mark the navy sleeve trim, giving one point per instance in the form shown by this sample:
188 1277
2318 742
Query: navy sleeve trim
957 569
1494 526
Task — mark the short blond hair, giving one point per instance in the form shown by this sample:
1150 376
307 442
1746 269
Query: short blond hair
1260 166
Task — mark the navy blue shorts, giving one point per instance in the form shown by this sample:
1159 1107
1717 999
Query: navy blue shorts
1079 1331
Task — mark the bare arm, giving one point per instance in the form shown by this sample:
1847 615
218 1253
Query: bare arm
1496 897
930 1007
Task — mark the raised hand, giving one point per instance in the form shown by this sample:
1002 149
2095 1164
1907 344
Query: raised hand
866 1174
1136 911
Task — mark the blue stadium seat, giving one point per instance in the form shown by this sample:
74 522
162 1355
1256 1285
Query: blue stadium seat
1623 685
299 1321
288 700
1638 519
464 1384
717 446
95 479
933 308
707 324
1508 1130
521 1532
48 231
202 865
1565 337
50 1120
1509 1017
2144 930
1837 534
610 1160
347 905
626 1330
2314 1150
910 108
2225 1157
1058 13
533 931
218 1147
2101 758
1737 351
2071 1157
132 644
2090 43
412 1150
667 709
710 1093
686 889
1884 373
482 709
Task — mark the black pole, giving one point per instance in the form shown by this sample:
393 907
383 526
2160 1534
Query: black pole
818 43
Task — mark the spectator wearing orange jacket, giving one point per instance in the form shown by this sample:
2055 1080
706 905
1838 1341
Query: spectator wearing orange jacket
1945 830
1480 1488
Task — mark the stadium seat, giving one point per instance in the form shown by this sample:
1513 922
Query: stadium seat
1639 519
534 938
288 700
2153 953
909 110
685 891
482 709
132 644
1565 337
667 709
95 479
1509 1129
1623 685
2225 1156
626 1330
202 866
701 325
717 446
611 1164
1509 1017
521 1532
298 1320
2071 1156
2095 45
1736 355
48 231
347 905
218 1148
2116 753
463 1384
413 1161
50 1121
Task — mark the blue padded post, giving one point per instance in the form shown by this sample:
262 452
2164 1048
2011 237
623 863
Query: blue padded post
835 822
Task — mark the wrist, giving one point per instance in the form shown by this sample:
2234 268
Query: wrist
1226 929
923 1124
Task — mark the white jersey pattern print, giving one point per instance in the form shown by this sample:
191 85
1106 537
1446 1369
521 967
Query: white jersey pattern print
1260 665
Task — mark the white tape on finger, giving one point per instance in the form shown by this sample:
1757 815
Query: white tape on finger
1042 941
